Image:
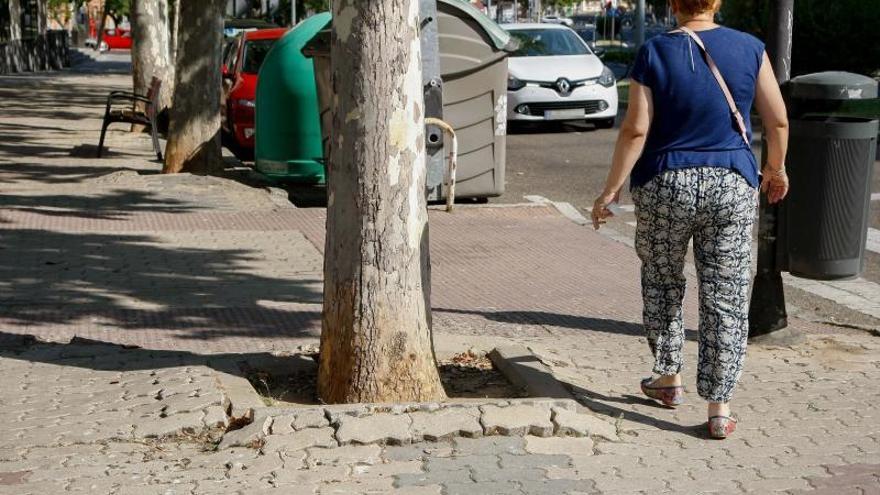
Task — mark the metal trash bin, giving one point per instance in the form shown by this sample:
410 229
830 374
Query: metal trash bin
831 163
473 53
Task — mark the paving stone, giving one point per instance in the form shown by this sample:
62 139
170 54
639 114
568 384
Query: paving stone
486 488
534 460
364 486
570 423
349 454
282 425
433 478
170 426
313 475
462 462
386 470
417 451
310 418
489 445
383 428
248 436
215 417
300 440
558 445
482 474
446 423
518 420
558 487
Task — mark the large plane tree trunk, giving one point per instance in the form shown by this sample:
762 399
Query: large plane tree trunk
151 50
194 130
376 343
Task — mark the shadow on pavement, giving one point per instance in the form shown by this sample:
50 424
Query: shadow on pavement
574 322
130 282
599 403
113 205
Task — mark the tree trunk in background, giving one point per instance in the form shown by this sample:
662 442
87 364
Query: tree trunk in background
174 25
151 51
100 37
194 130
376 343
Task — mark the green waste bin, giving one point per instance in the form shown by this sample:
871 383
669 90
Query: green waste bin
288 128
831 156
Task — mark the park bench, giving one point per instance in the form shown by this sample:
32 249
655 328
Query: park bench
147 117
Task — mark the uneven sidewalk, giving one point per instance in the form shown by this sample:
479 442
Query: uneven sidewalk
188 272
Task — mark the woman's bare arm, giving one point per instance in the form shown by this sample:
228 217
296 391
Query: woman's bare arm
771 108
630 143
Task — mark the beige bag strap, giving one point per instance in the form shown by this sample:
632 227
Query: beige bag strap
724 89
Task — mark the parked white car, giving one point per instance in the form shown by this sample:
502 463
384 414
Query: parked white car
555 76
553 19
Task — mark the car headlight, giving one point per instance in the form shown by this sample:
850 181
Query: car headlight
514 84
607 78
247 103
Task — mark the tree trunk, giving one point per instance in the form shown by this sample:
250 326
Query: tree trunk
151 51
100 36
194 130
376 343
174 24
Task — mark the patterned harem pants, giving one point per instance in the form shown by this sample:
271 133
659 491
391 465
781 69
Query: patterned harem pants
715 207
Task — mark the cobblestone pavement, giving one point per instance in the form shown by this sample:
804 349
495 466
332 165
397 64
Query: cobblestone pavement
189 268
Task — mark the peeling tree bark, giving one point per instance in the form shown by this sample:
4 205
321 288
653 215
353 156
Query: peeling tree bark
376 343
194 130
151 50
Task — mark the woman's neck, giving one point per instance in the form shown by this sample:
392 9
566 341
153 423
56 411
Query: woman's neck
705 20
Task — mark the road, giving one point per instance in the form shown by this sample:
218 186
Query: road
569 162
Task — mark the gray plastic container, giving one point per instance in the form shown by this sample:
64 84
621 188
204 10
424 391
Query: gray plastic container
473 53
830 163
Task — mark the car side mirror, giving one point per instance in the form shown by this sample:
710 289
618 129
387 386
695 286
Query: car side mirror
599 52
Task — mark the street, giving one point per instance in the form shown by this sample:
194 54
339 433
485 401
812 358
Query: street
569 162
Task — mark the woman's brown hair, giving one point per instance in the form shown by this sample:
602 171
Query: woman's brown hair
693 7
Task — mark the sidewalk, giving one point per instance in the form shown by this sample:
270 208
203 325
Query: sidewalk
189 273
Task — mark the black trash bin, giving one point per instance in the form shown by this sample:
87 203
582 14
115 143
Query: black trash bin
830 162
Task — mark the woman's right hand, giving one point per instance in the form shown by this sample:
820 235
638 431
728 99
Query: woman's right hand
775 185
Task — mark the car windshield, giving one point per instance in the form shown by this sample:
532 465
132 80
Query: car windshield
254 53
544 42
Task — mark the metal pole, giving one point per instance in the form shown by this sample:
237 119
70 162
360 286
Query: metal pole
767 311
292 13
640 24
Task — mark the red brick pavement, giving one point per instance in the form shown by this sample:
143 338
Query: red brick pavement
515 271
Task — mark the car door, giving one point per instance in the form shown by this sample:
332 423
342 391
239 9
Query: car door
228 81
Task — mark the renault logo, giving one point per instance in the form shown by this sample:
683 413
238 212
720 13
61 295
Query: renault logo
563 86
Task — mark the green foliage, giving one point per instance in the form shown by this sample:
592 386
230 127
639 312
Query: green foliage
622 56
828 35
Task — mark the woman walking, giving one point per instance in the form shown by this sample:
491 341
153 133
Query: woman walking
685 146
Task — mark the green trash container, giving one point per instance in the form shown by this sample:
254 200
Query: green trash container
288 129
831 156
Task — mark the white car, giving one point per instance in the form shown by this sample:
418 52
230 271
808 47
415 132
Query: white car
555 76
553 19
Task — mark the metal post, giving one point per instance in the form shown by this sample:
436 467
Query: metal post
767 311
292 13
640 24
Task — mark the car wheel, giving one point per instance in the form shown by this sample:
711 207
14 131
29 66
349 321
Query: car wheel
604 123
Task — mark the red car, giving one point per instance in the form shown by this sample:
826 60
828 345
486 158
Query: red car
117 38
240 69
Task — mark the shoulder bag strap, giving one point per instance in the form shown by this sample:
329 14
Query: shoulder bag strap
724 89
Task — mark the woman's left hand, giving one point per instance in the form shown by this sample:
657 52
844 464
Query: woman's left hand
600 207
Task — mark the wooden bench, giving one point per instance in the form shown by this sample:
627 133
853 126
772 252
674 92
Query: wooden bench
147 117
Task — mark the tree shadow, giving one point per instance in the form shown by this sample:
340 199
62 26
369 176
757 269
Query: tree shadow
132 282
114 205
575 322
